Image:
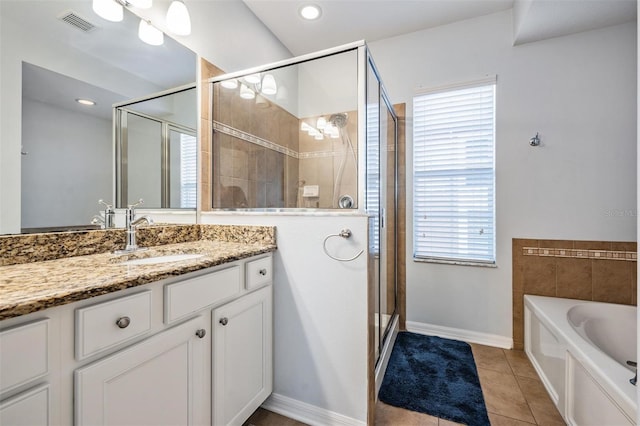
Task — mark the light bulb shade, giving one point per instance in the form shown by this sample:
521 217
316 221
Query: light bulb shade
229 84
319 137
141 4
150 34
321 123
178 19
253 78
304 127
261 102
246 93
109 10
269 86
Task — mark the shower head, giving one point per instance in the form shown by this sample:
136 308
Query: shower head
338 120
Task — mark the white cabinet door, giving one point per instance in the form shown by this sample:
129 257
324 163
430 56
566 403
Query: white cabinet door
158 381
242 357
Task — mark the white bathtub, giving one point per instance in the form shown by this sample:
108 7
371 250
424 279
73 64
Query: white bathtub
579 349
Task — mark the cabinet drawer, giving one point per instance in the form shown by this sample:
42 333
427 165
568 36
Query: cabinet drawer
29 408
259 272
191 295
111 323
24 354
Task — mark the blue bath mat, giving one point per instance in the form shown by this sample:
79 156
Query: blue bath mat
435 376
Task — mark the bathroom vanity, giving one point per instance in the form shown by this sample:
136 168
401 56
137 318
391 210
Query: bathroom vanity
185 341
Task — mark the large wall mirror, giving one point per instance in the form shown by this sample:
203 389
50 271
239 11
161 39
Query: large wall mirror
60 52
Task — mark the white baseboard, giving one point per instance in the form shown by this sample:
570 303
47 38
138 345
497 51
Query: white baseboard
460 334
307 413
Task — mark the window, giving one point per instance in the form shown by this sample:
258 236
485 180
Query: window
372 189
453 174
188 170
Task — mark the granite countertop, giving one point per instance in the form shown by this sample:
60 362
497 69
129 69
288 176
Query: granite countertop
31 287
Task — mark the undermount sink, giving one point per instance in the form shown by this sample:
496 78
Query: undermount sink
162 259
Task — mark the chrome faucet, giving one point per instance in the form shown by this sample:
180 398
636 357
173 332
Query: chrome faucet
108 220
131 224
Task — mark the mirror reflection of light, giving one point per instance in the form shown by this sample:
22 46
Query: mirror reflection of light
269 86
229 84
109 10
141 4
253 78
150 34
246 93
178 19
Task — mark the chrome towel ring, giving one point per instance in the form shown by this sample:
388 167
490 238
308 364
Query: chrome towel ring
345 233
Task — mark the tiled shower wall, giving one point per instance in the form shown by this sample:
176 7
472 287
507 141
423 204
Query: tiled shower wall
601 271
254 153
320 161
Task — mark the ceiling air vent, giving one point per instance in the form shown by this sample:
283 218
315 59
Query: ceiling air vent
75 20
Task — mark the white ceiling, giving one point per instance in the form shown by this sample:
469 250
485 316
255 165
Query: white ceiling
344 21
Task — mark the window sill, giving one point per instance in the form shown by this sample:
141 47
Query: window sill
456 262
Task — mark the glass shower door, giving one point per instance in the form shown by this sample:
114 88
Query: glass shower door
381 205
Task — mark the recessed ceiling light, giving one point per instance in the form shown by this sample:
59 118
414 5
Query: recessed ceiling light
85 102
310 12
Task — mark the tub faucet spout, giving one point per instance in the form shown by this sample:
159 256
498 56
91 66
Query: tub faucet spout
635 378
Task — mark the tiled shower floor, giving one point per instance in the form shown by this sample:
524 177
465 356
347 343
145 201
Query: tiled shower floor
512 391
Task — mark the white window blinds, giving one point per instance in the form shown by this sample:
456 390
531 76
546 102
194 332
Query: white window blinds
373 173
453 174
188 170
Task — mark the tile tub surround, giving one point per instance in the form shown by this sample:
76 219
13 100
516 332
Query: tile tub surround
26 248
601 271
31 287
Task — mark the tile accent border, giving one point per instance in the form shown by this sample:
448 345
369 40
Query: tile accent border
248 137
631 256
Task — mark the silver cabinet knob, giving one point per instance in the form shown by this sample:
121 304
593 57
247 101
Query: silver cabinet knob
201 333
262 271
123 322
224 321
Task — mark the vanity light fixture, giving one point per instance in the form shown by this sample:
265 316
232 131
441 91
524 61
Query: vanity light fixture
108 9
323 129
87 102
253 78
229 84
269 85
150 34
310 12
252 84
178 19
141 4
246 93
262 102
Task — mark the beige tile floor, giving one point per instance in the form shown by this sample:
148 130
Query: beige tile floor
512 391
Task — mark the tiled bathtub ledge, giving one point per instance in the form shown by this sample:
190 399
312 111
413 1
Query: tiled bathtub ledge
27 248
631 256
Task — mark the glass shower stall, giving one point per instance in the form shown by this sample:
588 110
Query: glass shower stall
317 134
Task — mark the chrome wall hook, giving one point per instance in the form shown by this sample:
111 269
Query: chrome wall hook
535 141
